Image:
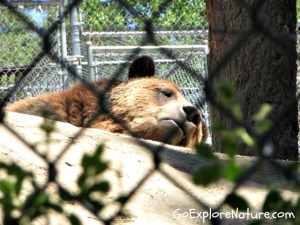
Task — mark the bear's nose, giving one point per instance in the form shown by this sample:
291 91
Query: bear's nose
192 114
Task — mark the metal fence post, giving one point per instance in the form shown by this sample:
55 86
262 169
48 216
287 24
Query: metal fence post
90 60
75 38
63 46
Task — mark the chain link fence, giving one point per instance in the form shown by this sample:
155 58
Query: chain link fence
43 67
20 46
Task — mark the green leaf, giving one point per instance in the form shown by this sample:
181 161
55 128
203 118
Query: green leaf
7 187
219 126
86 162
99 152
34 204
273 201
236 110
232 170
93 164
122 199
205 151
256 222
262 123
40 199
74 220
298 203
65 195
100 167
208 174
94 205
229 145
20 174
7 190
226 89
48 125
226 92
102 186
82 180
263 112
235 201
262 126
242 133
54 206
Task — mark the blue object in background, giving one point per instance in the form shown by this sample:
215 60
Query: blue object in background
37 16
3 30
132 26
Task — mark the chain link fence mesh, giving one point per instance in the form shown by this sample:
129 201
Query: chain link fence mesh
21 45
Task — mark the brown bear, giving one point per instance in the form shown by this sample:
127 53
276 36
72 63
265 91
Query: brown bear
150 108
144 107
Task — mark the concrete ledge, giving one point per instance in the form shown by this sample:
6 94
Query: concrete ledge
130 159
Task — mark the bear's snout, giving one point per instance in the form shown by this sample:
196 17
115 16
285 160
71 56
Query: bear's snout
192 114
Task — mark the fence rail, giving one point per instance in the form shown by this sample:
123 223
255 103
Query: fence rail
118 34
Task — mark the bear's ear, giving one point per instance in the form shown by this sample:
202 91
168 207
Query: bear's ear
142 66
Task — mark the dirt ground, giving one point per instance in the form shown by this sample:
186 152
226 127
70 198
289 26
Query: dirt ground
158 201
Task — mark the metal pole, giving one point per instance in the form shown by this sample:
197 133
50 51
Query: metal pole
90 60
63 46
75 38
182 48
209 107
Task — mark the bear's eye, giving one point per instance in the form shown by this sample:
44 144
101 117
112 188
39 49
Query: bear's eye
166 94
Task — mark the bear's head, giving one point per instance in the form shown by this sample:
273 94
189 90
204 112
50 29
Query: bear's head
155 109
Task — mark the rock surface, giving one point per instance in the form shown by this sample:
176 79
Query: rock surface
157 201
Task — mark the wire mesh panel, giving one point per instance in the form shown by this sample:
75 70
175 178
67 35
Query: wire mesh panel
20 46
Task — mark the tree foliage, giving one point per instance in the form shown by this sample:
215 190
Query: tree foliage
107 15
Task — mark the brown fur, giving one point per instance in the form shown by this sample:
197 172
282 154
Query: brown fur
151 108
